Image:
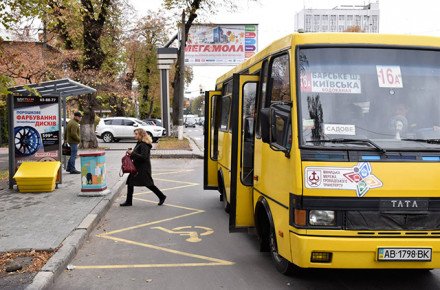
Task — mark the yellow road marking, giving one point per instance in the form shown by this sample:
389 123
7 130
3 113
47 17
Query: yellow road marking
173 205
151 266
173 172
194 211
193 235
175 181
214 260
108 235
167 189
145 225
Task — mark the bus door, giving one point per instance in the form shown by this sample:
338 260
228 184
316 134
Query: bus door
212 117
242 158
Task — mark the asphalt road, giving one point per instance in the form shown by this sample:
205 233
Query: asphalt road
185 244
196 134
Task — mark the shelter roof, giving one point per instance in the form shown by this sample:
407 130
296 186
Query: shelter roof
62 87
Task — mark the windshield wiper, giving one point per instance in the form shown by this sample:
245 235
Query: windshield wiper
347 140
429 141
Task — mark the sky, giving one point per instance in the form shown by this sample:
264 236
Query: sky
276 19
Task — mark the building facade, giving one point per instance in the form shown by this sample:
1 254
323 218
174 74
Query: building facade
339 19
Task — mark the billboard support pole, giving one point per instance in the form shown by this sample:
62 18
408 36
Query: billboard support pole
11 141
64 125
60 171
182 78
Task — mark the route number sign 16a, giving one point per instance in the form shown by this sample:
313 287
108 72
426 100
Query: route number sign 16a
389 76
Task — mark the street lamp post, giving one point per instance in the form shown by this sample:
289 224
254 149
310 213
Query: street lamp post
165 58
182 77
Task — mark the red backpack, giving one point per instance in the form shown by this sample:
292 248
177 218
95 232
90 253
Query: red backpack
127 165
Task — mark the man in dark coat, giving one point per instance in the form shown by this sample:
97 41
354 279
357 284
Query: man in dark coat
72 136
141 160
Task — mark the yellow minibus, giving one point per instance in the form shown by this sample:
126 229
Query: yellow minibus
328 144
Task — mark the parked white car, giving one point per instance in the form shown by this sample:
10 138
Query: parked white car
189 122
113 129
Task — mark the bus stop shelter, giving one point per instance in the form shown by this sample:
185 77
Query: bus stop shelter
35 120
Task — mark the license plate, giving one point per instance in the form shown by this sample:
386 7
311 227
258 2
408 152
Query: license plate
404 254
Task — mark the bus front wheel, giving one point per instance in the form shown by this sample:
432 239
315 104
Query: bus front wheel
281 264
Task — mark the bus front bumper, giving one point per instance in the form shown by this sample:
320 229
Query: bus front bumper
360 253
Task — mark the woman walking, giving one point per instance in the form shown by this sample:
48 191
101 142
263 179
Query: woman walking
141 159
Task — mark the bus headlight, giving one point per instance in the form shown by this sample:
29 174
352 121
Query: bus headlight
322 218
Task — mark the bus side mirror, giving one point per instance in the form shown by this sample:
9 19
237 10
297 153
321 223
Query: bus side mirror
265 124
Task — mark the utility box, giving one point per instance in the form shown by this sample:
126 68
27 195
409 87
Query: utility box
37 176
93 174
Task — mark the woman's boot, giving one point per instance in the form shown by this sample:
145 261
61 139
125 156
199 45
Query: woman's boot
129 200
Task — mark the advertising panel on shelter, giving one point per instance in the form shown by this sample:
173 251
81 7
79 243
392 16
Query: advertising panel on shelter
221 44
36 129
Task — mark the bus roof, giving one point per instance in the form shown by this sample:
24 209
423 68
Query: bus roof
334 38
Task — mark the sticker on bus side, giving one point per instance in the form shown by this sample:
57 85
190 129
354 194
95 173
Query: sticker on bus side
359 178
334 83
389 76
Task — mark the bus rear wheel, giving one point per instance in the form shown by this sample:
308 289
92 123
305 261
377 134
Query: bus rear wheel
281 264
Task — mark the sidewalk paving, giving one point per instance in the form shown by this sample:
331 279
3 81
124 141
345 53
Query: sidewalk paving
60 220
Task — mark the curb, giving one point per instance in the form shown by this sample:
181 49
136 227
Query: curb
177 156
169 156
195 143
70 246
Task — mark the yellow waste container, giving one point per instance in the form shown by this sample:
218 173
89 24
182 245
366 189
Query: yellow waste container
37 176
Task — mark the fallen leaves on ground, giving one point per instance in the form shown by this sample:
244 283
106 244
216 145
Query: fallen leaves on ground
39 259
4 174
171 143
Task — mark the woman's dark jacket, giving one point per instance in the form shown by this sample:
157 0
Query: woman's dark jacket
141 160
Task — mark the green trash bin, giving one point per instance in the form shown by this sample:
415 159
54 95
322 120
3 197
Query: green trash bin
93 174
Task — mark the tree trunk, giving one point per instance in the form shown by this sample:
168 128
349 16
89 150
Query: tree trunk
88 138
151 109
176 88
193 8
94 57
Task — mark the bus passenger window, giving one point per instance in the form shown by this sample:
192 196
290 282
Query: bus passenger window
280 79
261 102
224 119
247 131
215 121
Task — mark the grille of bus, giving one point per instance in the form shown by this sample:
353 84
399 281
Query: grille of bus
399 234
377 221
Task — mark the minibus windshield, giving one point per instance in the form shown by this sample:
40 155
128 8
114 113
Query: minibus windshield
390 96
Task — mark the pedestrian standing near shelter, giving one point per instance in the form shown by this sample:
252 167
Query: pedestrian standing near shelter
141 159
73 138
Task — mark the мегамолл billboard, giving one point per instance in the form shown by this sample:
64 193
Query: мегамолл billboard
220 44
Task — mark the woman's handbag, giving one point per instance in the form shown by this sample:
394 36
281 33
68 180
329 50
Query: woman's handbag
127 165
66 149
